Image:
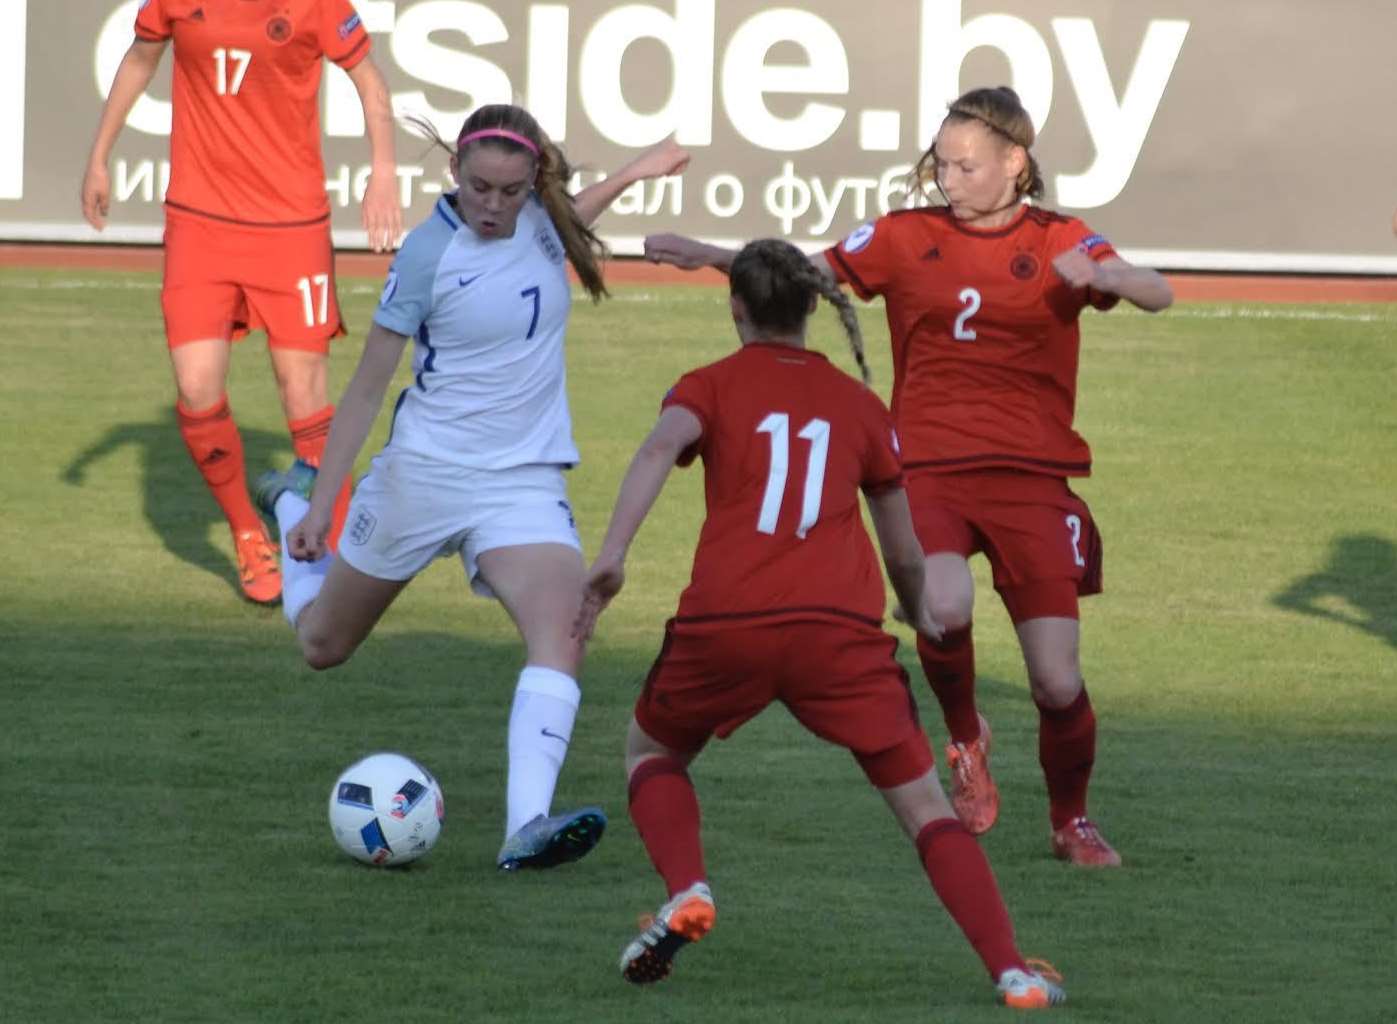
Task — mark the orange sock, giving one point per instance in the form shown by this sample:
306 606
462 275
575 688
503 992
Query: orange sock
217 449
308 437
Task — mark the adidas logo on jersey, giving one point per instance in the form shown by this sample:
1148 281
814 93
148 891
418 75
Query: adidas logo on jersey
198 14
934 253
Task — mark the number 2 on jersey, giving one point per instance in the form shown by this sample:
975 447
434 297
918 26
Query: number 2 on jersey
963 331
778 425
220 59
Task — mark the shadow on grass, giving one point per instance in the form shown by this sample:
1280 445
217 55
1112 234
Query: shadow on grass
1358 587
175 501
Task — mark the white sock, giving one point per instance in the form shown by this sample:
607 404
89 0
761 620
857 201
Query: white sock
540 728
300 581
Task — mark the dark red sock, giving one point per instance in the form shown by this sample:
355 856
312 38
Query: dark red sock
1067 751
665 810
961 876
217 449
308 437
949 665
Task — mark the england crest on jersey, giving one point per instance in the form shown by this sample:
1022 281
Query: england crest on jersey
550 246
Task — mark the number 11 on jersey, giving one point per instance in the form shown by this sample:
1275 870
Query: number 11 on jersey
778 425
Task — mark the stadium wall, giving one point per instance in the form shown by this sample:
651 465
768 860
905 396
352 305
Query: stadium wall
1198 136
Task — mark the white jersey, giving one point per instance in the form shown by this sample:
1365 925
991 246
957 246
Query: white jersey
487 317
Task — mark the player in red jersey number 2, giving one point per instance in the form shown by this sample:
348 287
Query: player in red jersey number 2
247 220
785 604
983 297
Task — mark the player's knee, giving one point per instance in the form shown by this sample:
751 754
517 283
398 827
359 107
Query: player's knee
323 650
1056 687
951 611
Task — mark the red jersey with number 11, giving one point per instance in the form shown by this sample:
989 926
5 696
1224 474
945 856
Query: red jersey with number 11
984 335
788 443
245 142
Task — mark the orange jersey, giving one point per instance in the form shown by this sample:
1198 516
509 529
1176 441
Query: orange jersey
984 335
788 443
245 142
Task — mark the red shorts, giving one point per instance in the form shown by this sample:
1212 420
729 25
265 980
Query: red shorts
1041 541
222 280
840 680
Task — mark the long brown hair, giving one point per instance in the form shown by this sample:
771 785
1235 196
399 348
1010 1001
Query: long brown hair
776 282
999 110
584 249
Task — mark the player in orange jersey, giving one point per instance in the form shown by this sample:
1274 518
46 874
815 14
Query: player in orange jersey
983 297
785 604
247 220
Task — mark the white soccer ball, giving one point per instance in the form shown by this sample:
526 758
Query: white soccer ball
386 810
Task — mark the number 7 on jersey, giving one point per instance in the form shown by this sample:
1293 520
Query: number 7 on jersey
778 425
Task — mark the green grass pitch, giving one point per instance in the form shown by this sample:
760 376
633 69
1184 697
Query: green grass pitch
164 854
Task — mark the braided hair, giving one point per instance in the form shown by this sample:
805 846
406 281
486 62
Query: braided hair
776 283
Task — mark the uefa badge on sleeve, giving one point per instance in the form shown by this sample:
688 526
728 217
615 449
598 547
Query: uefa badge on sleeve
858 239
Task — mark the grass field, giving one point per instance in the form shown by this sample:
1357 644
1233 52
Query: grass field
166 757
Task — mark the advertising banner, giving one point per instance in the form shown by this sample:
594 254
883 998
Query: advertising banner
1250 135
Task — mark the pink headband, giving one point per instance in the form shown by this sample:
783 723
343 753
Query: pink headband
499 133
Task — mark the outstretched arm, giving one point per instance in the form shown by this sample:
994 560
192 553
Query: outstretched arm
1140 286
134 73
660 160
380 211
354 417
691 254
645 478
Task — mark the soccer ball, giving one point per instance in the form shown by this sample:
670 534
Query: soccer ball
386 810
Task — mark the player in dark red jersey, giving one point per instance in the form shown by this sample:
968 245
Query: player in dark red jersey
247 220
785 604
983 297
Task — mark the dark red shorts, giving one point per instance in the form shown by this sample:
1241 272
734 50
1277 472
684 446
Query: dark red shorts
1040 539
222 280
840 680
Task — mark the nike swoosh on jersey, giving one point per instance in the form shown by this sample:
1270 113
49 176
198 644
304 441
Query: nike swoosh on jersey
467 280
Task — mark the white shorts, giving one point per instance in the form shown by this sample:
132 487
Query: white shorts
407 511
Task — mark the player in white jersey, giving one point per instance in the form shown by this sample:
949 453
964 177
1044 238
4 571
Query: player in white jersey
480 440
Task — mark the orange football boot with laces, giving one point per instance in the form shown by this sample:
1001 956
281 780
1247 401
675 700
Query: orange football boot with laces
1037 988
259 566
688 917
1081 842
973 793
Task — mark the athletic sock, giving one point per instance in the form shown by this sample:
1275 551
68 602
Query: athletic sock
540 728
665 810
300 581
949 664
1067 751
308 437
961 876
216 447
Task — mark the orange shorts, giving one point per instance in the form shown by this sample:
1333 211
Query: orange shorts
1041 541
839 680
224 279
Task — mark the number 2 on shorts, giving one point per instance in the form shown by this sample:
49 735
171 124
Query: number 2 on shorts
1074 526
778 425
